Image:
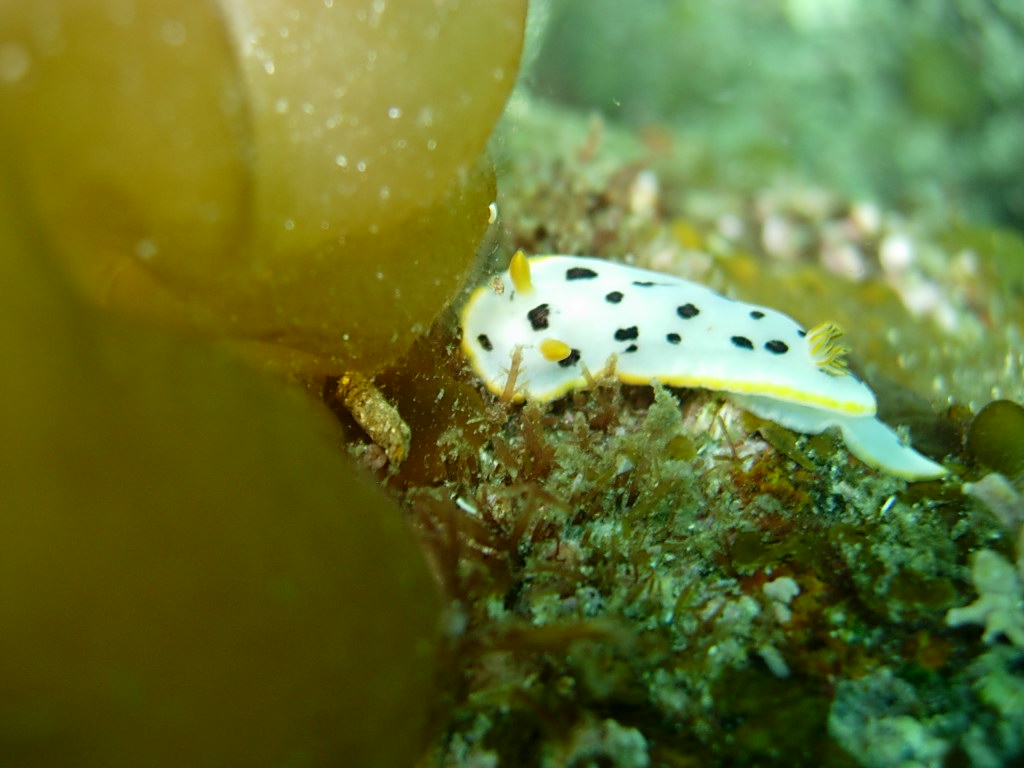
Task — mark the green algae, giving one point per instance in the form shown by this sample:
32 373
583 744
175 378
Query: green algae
193 572
190 570
779 721
996 437
305 179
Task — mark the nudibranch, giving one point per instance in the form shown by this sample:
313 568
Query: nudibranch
552 323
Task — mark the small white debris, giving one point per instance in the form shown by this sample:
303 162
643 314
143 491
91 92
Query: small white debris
773 660
1000 604
781 592
643 194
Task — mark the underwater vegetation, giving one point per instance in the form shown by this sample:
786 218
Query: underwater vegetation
369 557
192 572
640 576
201 181
995 438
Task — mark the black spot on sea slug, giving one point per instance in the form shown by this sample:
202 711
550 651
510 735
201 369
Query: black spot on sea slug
801 334
579 273
614 297
742 342
673 338
485 342
632 348
757 314
570 360
687 311
538 317
776 346
627 334
644 283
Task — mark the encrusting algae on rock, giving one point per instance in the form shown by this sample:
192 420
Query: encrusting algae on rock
641 575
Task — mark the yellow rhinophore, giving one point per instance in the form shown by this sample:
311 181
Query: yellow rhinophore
519 271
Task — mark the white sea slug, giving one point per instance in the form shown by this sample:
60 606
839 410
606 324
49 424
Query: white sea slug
554 322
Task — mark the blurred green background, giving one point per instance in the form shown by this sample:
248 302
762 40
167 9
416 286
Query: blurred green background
909 104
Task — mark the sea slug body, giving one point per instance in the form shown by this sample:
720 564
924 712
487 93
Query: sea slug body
551 322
